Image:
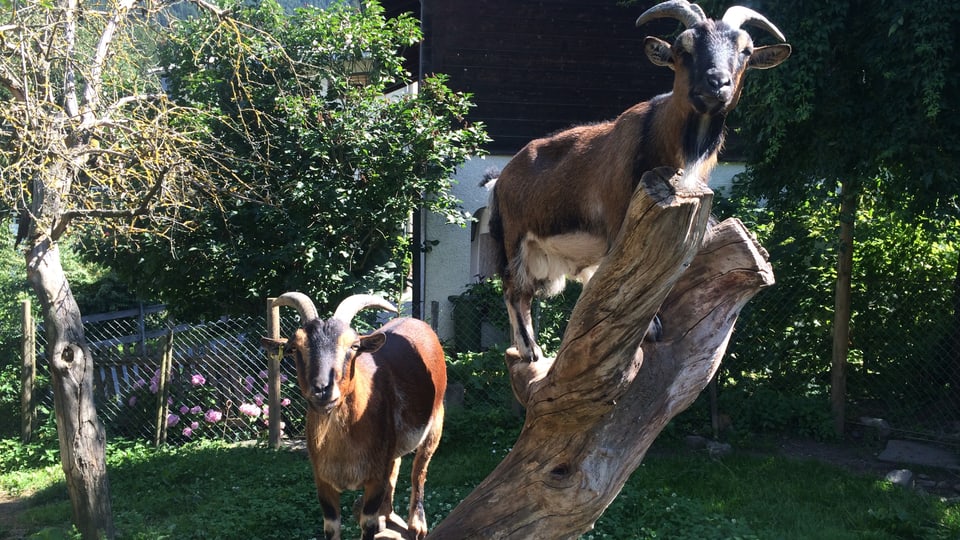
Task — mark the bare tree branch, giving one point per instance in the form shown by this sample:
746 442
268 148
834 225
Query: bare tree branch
206 6
92 89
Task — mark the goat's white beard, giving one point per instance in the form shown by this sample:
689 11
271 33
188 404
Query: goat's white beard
697 171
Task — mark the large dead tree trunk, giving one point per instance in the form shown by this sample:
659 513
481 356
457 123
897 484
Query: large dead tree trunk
593 413
82 436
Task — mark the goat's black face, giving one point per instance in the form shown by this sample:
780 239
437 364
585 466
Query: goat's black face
714 56
324 352
709 60
321 350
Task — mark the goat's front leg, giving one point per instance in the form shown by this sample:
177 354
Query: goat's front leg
373 500
330 504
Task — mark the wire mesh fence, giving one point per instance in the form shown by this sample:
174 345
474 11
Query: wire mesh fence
215 386
903 368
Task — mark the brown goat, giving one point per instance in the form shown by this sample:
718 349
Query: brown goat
558 205
371 399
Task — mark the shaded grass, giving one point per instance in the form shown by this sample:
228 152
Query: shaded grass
215 491
742 496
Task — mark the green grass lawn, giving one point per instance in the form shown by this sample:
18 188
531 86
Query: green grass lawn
240 492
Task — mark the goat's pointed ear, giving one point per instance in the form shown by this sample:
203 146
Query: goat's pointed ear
658 51
372 343
769 56
273 345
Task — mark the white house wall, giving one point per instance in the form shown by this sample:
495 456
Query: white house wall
446 266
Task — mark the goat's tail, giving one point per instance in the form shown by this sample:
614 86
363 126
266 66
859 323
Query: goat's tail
494 250
490 178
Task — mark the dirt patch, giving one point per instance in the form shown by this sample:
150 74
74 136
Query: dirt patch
10 510
855 458
859 458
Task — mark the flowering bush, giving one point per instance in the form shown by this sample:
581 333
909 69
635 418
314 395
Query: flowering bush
202 403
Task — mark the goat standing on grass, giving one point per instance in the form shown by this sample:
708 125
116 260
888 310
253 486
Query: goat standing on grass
371 399
558 204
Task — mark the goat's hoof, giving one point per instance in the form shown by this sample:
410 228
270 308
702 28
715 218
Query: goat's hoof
513 356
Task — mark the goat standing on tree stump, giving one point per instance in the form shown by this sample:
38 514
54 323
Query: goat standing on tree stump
559 203
371 399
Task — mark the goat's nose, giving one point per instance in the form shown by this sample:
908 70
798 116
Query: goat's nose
322 392
328 393
718 78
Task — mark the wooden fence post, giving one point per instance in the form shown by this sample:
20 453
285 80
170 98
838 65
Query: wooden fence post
273 374
28 375
142 330
163 391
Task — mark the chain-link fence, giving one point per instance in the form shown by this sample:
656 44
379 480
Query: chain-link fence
215 387
903 367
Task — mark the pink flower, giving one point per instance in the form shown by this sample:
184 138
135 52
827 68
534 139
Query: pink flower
258 399
187 432
248 383
250 409
196 409
285 402
266 410
184 409
172 420
139 383
198 380
194 425
212 416
132 401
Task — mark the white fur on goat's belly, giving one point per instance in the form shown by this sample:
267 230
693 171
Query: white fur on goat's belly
550 260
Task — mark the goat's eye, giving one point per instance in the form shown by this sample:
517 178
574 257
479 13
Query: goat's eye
747 52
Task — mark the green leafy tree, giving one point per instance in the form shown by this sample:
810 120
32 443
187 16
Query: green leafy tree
864 115
774 369
90 142
342 165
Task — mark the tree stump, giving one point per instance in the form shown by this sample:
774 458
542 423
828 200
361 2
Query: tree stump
594 411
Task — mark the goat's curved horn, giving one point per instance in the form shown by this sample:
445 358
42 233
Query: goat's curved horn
738 16
300 302
681 10
351 305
